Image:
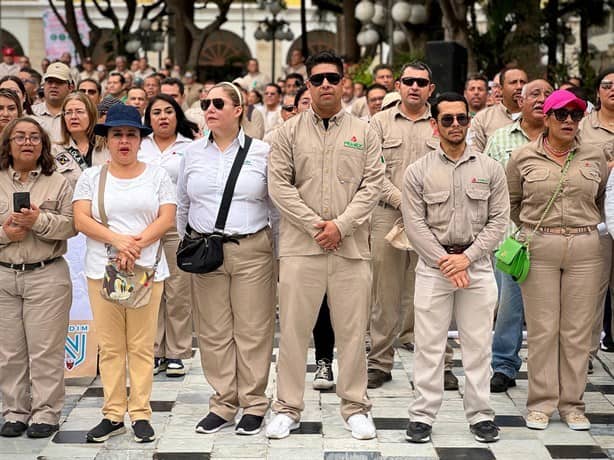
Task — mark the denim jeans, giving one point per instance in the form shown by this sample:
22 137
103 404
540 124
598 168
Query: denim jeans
508 327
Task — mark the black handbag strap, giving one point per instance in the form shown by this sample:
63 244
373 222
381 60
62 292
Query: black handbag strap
229 190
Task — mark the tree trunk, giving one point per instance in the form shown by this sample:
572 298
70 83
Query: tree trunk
551 11
454 23
351 50
181 11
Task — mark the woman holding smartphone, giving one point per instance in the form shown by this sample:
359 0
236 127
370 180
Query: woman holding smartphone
35 287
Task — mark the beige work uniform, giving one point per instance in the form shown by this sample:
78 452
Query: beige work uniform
318 174
454 203
486 122
593 132
560 294
360 108
67 165
52 124
403 142
34 304
253 127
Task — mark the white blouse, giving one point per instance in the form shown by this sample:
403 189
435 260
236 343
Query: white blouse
169 159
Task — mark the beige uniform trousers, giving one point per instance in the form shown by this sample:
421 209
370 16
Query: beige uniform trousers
473 307
303 281
125 335
34 307
560 298
174 336
606 276
234 317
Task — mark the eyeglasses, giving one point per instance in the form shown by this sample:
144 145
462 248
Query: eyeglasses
421 82
332 77
28 80
91 92
20 139
218 103
287 108
79 113
606 84
562 114
447 120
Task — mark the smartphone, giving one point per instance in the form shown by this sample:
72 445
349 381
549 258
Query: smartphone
21 200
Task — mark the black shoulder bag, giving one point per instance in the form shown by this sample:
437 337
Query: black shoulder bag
198 253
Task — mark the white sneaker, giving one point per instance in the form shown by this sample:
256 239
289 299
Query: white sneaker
280 426
361 426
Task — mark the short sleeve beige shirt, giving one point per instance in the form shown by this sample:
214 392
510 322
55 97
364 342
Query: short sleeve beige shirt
592 131
318 174
486 122
52 124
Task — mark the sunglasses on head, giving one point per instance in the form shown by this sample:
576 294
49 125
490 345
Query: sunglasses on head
421 82
447 120
218 103
562 114
287 108
332 77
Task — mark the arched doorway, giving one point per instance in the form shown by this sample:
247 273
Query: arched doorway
8 40
317 40
223 56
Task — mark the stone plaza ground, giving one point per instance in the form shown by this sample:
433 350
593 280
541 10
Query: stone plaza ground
179 403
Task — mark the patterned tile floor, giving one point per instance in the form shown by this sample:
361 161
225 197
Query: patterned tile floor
179 403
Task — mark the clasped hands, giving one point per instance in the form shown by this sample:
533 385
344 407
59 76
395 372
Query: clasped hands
18 224
128 250
454 267
329 236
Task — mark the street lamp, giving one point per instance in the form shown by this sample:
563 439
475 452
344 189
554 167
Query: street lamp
271 29
148 37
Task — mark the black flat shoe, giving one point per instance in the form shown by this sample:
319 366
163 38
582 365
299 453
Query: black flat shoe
13 429
41 430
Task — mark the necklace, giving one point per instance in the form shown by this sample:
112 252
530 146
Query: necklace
555 152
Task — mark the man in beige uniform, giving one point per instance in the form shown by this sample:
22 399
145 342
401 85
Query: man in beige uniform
487 121
57 84
455 209
382 74
325 178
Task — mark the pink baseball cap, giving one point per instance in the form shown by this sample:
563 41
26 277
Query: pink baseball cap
561 98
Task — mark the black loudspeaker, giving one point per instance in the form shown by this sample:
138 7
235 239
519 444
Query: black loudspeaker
448 61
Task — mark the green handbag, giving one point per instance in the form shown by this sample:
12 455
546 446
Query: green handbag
513 256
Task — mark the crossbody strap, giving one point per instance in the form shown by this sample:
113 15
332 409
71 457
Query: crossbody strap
229 189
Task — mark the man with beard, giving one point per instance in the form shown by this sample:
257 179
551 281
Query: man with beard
57 83
476 93
499 115
508 329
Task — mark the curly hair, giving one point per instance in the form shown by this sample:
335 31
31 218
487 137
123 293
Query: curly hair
45 161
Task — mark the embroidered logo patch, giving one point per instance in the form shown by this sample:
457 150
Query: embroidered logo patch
353 144
479 180
62 159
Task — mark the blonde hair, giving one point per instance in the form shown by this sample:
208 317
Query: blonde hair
233 93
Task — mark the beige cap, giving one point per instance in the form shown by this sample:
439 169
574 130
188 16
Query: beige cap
390 98
58 70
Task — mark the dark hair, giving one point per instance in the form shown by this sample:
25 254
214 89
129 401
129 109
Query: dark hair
505 71
598 80
276 86
324 57
91 80
140 88
299 94
174 81
27 104
447 97
578 91
475 77
297 76
373 87
184 126
379 67
45 161
33 73
122 79
418 65
257 93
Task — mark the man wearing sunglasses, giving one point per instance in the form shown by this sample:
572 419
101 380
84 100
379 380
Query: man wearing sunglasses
325 178
487 121
455 208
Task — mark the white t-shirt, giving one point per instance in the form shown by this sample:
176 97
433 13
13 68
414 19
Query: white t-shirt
169 159
131 206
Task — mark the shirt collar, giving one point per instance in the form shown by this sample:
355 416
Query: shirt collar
511 115
336 118
209 137
467 155
542 150
397 112
32 174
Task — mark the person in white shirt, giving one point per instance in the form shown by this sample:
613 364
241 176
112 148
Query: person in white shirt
139 202
165 146
234 305
272 107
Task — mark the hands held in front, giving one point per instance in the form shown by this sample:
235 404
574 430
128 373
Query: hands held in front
454 267
329 237
18 224
13 231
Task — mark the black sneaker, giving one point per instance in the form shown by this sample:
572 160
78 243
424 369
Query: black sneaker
212 423
450 382
143 431
13 429
104 430
485 431
323 378
418 432
159 365
41 430
376 378
499 383
174 368
249 424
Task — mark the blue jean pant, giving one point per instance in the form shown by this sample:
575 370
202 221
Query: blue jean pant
507 340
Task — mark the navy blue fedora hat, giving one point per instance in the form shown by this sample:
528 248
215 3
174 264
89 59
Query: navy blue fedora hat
121 115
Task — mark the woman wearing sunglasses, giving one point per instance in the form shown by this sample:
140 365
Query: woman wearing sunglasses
165 146
234 306
557 184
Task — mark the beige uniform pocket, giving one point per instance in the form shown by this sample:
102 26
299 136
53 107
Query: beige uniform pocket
478 204
437 208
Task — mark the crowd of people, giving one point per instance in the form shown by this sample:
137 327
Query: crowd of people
323 170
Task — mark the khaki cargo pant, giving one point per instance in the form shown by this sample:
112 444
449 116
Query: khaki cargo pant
606 280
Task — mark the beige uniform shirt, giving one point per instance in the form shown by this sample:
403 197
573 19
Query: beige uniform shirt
593 132
192 93
360 108
254 127
403 142
486 122
47 239
448 203
532 178
318 174
66 164
52 124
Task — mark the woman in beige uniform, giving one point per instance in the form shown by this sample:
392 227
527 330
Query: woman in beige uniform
35 288
560 293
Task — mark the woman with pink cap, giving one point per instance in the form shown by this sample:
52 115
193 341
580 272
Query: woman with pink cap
556 188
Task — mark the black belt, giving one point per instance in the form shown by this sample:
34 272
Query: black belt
383 204
456 248
230 237
29 267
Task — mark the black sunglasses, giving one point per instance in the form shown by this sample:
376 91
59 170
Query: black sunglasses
447 120
287 108
562 114
218 103
89 91
332 77
421 82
